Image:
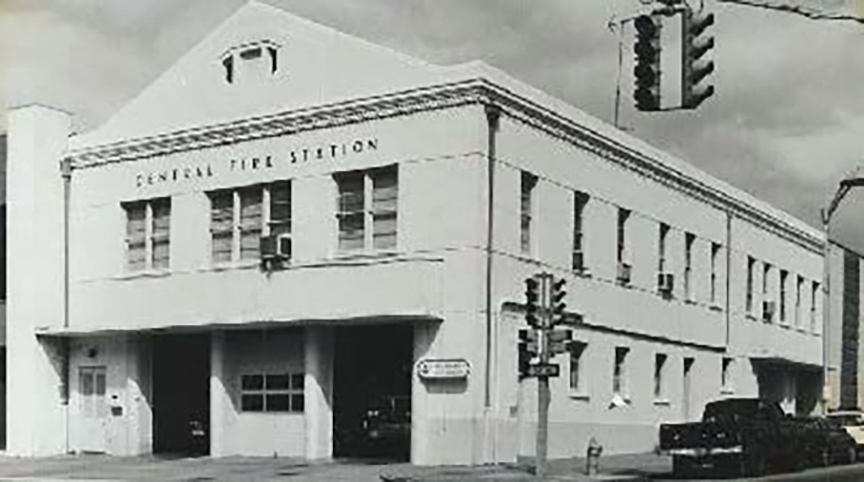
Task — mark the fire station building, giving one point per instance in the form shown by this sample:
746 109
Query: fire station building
292 227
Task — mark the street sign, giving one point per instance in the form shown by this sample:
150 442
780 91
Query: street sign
560 335
544 370
443 369
557 347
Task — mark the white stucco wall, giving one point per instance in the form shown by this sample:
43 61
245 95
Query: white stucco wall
435 277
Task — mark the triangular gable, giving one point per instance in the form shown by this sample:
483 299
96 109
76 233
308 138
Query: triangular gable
316 65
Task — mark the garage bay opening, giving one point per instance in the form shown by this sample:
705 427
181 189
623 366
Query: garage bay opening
372 391
181 394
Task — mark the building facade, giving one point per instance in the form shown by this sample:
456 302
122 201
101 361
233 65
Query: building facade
845 390
291 224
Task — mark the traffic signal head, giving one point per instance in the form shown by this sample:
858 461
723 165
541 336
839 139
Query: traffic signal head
557 302
527 350
532 300
647 65
694 66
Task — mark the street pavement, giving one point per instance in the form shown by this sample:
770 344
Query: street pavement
106 468
82 468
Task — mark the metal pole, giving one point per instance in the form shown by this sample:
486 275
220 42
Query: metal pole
543 395
826 308
618 79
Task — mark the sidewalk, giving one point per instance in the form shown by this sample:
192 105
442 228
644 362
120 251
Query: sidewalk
103 468
630 467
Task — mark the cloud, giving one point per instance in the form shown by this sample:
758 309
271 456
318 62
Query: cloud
783 125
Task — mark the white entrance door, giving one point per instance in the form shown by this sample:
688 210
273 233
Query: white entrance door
93 408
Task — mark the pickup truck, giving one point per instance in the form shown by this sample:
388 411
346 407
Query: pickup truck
748 436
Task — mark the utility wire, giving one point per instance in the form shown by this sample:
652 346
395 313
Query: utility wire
797 10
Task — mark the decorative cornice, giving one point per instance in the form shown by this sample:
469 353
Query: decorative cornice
476 91
653 168
281 124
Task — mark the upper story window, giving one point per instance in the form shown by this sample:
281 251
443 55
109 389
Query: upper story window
580 199
784 279
529 182
751 266
689 240
799 288
661 242
368 207
623 257
659 369
148 229
715 254
257 60
767 303
619 371
814 299
240 218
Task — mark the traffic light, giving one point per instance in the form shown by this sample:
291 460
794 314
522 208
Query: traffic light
527 350
532 299
647 66
694 68
558 304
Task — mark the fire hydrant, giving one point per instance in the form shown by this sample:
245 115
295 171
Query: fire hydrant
592 461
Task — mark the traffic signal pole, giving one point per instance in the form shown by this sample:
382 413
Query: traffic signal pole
544 308
543 394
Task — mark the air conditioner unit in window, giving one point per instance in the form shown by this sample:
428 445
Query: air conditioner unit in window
275 248
768 309
624 271
578 261
665 282
283 246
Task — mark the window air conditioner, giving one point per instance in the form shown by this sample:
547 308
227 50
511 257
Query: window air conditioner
578 261
275 248
283 247
768 309
665 282
624 270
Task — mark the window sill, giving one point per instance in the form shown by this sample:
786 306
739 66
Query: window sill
270 414
149 273
666 295
727 391
362 254
715 307
581 396
751 317
244 264
690 301
582 273
623 401
662 402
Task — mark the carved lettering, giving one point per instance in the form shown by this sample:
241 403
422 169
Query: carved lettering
257 163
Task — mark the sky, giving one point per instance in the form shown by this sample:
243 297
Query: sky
786 123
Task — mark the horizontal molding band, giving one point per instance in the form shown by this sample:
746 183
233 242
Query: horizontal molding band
477 91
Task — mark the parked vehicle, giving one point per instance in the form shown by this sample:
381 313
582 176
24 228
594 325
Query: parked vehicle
382 428
387 423
831 443
852 421
749 436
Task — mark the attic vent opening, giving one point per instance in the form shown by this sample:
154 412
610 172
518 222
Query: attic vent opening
228 63
255 61
251 53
